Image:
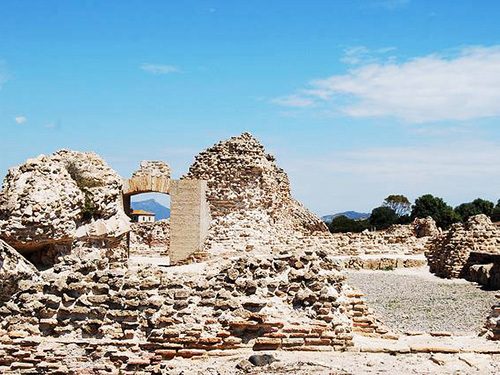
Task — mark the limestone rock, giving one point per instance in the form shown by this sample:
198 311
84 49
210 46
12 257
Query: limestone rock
13 270
51 200
449 252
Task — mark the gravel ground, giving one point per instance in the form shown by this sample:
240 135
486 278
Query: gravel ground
416 300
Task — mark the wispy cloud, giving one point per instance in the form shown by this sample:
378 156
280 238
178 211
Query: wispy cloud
295 101
52 125
355 55
432 88
20 119
160 68
464 160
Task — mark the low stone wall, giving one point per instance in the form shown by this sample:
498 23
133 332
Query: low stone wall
398 239
448 254
150 239
281 301
382 263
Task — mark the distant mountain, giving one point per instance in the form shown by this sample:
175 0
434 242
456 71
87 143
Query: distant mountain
349 214
160 211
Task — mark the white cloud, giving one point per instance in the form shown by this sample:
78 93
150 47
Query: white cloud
160 68
295 101
20 119
361 54
424 89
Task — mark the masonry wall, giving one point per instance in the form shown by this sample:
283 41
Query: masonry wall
190 218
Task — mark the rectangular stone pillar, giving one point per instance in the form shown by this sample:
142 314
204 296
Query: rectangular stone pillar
189 218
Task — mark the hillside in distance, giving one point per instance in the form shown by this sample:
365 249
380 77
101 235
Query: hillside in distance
161 212
349 214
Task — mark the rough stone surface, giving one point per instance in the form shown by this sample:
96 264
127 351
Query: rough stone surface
55 199
425 227
246 186
492 325
150 239
14 270
248 301
449 252
397 239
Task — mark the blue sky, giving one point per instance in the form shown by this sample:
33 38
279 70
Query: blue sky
356 99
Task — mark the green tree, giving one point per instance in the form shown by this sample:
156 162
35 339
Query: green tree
428 205
342 224
476 207
383 217
495 214
399 203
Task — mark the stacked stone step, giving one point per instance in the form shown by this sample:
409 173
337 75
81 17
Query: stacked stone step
364 320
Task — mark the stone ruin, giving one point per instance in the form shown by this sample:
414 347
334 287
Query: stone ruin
271 276
189 210
53 203
150 239
274 295
449 254
408 239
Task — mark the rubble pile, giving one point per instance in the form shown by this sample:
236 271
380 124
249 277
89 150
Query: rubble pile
50 201
448 253
492 325
153 168
150 239
425 227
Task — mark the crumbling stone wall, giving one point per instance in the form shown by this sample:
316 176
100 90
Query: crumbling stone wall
448 253
150 239
152 168
14 270
281 301
242 178
397 239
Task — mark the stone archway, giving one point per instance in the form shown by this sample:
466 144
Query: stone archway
152 177
189 209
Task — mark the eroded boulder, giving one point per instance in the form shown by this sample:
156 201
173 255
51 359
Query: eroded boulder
51 200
